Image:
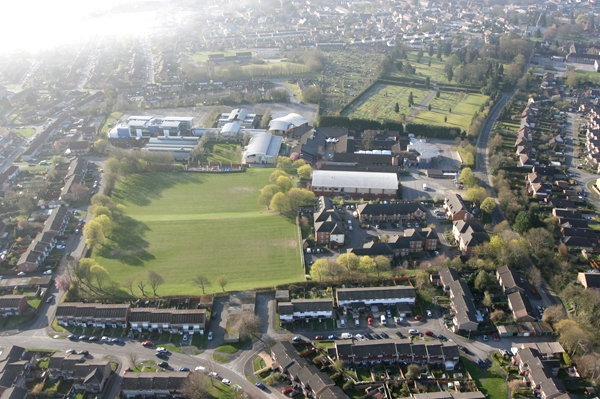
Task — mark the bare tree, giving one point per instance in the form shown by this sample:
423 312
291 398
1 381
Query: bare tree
155 279
248 326
222 281
195 386
202 281
142 286
129 285
133 358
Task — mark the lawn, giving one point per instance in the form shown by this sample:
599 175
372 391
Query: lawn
379 102
223 152
463 107
109 121
185 224
26 132
489 381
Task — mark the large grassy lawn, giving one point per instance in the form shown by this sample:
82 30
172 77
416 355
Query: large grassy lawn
379 102
489 381
184 224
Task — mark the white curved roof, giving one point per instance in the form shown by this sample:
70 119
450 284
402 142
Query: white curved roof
279 125
291 119
232 127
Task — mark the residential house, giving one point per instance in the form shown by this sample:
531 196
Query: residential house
12 305
367 296
537 186
285 355
394 212
413 241
300 309
30 260
89 132
447 276
540 373
81 147
456 209
9 175
328 222
15 365
192 321
92 314
87 375
168 384
507 279
589 280
463 306
520 306
57 222
468 235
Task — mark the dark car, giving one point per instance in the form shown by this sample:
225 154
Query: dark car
332 336
164 365
73 337
465 350
442 338
399 334
481 363
83 337
369 336
161 355
384 335
93 338
183 369
84 353
118 341
297 339
377 336
488 362
429 333
260 385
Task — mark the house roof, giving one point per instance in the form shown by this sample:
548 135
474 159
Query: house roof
399 208
329 393
374 293
95 310
171 380
448 275
590 280
455 203
14 393
79 145
11 301
306 305
365 180
520 305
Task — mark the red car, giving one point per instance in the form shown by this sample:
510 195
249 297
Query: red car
319 337
495 337
418 317
287 390
429 333
370 321
147 343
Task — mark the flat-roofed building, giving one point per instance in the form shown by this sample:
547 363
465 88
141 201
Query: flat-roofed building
355 184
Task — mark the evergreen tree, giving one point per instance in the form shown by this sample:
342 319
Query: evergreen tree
397 108
411 100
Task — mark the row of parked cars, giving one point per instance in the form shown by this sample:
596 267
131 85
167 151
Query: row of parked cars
94 338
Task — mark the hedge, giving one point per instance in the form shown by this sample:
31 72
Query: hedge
358 124
440 132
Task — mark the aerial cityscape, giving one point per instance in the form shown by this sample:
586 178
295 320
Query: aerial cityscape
321 199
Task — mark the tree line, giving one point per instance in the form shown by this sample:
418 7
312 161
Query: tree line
280 195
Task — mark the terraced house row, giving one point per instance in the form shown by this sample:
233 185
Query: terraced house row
122 315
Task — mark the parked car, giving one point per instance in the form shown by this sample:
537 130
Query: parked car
360 337
213 374
495 336
429 314
332 336
210 335
370 321
118 341
163 365
297 339
413 331
485 337
399 334
72 351
260 385
83 338
226 381
418 317
319 337
73 337
21 274
105 339
50 299
481 363
286 390
429 333
384 335
183 369
147 343
442 338
93 338
48 272
200 368
83 352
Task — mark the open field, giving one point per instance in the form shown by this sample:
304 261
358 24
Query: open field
379 102
26 132
422 69
224 152
463 110
110 120
184 224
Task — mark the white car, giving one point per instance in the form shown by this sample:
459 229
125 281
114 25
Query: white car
161 349
21 274
210 336
360 337
48 272
413 331
105 339
200 368
429 314
226 381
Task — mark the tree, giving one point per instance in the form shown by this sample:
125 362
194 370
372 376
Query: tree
284 183
488 205
349 261
142 287
196 386
133 359
305 171
155 280
94 235
202 281
62 283
129 285
222 281
522 222
82 270
283 163
411 100
26 205
382 264
100 274
497 315
414 371
98 209
100 146
300 197
80 192
266 118
105 223
367 265
538 239
468 178
319 270
476 194
267 193
274 378
338 365
428 107
484 280
278 173
248 326
280 203
397 108
367 140
554 314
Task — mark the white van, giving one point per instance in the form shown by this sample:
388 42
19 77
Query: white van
357 322
346 336
383 320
